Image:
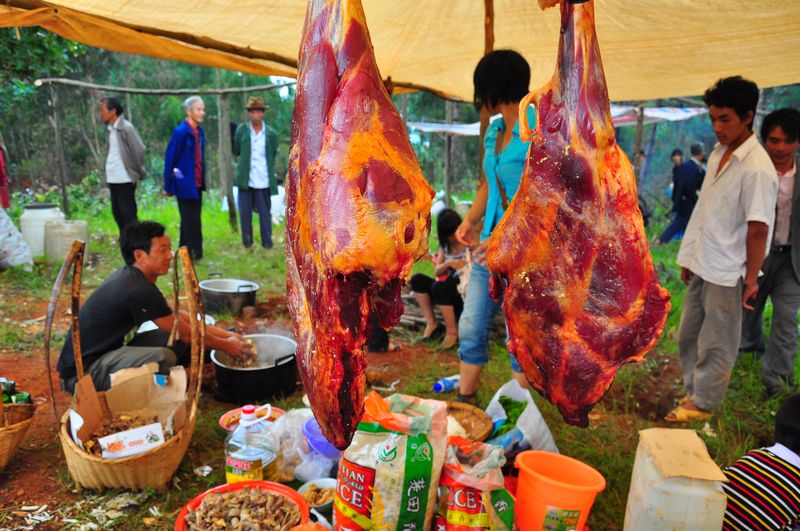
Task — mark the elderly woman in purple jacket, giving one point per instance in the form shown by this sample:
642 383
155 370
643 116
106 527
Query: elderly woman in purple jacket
185 173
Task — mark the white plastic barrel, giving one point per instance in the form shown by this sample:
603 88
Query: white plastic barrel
32 224
59 235
677 503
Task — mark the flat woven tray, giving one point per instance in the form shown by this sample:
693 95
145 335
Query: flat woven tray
475 421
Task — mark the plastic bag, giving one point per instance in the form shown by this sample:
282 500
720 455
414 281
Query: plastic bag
288 430
471 492
531 431
313 466
388 476
14 251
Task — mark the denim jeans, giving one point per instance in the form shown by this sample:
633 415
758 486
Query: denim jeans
476 319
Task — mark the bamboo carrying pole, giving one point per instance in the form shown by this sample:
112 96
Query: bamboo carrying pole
156 92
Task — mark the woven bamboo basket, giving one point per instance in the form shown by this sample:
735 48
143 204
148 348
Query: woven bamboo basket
15 419
474 420
154 468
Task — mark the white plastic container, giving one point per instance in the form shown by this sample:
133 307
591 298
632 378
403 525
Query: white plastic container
32 224
675 486
59 235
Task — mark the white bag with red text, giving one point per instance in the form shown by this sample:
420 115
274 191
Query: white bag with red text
389 474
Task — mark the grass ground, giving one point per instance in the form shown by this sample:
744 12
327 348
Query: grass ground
636 400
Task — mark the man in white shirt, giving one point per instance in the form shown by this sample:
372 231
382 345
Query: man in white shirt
255 144
124 163
723 248
780 132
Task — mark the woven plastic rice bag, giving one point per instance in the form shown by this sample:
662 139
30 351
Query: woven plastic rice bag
388 476
14 251
471 492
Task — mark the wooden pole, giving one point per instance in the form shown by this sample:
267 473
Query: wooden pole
488 46
637 150
62 164
224 156
448 148
161 92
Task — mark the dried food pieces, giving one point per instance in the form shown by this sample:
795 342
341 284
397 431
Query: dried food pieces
316 496
115 425
246 509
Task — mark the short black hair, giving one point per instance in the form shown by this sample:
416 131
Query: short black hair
447 222
139 235
787 424
502 76
676 151
696 149
736 92
113 104
787 119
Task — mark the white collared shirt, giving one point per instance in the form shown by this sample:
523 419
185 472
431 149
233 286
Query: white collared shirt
115 168
259 177
783 217
746 189
785 454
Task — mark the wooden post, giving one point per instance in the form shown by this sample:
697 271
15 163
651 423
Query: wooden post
448 157
62 164
637 157
224 156
488 46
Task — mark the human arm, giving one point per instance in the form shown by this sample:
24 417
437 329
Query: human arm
215 337
756 243
468 232
135 150
170 160
443 266
237 141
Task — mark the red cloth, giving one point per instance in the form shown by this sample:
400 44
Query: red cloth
198 156
4 194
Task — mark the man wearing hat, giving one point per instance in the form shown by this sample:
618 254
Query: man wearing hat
255 144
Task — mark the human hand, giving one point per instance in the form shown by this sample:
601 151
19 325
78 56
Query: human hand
479 252
457 263
165 193
467 233
686 275
749 292
239 347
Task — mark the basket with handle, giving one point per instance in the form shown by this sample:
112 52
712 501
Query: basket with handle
154 468
15 419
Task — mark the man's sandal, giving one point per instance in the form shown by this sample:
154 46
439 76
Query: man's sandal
683 414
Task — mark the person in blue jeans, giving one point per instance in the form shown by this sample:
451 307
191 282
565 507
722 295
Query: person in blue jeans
501 81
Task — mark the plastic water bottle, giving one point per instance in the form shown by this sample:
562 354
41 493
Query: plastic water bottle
250 451
448 383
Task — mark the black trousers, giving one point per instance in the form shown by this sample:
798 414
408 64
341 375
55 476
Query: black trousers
259 199
442 292
159 338
123 204
191 226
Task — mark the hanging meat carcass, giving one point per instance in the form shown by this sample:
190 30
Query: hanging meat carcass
570 257
358 211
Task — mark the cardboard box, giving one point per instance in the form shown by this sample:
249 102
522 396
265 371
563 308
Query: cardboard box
135 392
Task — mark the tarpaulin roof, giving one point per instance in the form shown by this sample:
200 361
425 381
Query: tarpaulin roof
651 49
621 115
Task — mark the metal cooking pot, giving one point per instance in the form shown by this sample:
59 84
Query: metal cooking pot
273 374
223 295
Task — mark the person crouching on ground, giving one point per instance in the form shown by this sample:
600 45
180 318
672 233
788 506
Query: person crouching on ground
443 290
763 486
125 300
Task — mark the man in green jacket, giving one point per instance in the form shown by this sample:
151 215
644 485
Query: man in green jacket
255 144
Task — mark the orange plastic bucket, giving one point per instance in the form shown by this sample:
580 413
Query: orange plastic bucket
554 492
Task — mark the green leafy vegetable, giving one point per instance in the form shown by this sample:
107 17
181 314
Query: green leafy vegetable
513 410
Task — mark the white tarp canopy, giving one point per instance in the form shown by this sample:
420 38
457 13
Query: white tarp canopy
651 49
622 115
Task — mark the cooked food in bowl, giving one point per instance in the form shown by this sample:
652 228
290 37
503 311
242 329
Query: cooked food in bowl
316 496
251 509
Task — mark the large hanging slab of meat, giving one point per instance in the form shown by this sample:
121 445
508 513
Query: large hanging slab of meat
358 211
581 295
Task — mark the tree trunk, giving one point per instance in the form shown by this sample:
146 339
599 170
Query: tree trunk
637 149
224 155
62 164
648 153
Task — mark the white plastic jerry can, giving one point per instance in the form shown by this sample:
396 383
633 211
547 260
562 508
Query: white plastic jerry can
675 485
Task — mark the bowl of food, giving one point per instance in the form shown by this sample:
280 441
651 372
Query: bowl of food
230 419
253 504
319 493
